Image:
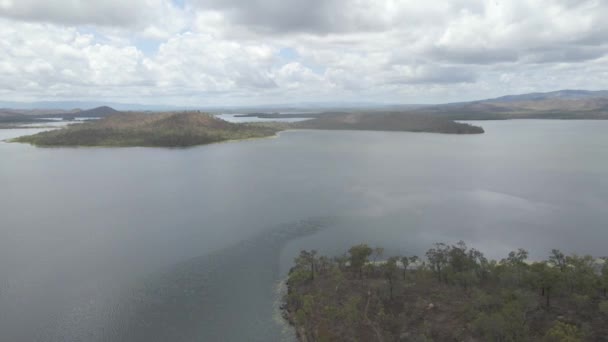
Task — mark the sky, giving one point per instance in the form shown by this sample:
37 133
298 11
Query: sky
252 52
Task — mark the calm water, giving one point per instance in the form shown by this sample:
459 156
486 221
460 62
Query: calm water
144 244
235 118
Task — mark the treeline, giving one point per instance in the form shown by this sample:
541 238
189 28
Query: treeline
453 293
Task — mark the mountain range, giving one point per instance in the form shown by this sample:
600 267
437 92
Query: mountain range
561 104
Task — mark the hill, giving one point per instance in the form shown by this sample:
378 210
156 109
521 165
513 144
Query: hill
563 104
141 129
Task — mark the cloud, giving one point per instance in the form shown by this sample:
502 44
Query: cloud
312 16
429 74
234 51
151 18
107 12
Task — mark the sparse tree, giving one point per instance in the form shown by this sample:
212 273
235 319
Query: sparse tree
308 259
517 262
604 277
377 253
359 257
517 258
438 259
547 280
405 261
558 259
389 270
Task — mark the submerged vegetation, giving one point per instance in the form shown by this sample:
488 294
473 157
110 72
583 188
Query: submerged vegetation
155 130
454 294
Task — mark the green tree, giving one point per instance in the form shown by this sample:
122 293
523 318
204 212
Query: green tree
563 332
438 259
604 278
558 259
518 257
389 270
547 279
405 261
308 260
580 274
359 256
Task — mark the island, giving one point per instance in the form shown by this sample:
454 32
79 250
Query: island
181 129
184 129
403 122
454 293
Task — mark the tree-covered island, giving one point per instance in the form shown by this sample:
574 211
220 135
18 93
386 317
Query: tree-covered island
181 129
454 293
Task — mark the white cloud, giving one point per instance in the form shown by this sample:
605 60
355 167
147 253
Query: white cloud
231 51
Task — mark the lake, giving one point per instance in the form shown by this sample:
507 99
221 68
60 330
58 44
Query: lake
152 244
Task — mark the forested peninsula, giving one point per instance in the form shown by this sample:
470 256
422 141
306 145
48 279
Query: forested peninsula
454 293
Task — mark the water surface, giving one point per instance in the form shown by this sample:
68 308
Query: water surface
145 244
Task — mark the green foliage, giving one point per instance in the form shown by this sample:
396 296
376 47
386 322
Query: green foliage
558 259
438 259
359 256
501 318
308 260
389 270
460 296
563 332
604 278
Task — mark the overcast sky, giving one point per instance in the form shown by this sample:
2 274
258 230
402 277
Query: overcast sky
210 52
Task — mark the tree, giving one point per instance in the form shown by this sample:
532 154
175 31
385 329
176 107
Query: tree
438 259
517 258
308 259
563 332
480 263
604 277
458 258
378 252
359 257
389 269
517 262
558 259
547 279
580 274
405 261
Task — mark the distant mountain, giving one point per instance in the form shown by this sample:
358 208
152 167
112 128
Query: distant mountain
71 105
40 115
560 94
99 112
562 104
